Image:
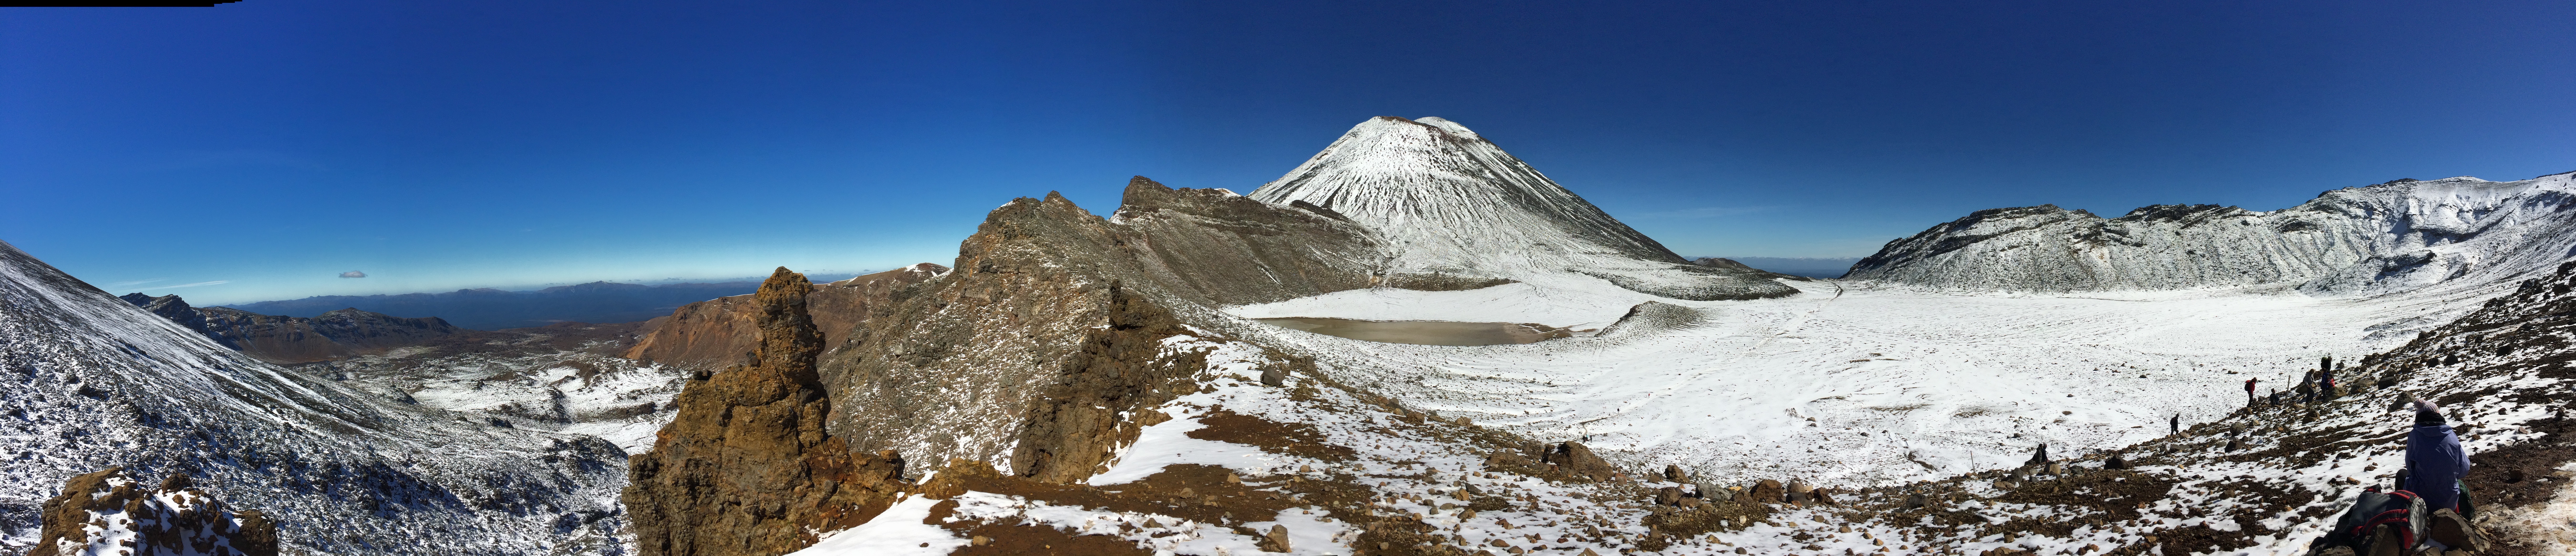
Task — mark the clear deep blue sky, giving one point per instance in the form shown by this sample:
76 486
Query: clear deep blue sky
271 145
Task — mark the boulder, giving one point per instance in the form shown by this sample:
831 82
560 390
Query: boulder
1276 541
1576 462
172 519
1769 492
1668 496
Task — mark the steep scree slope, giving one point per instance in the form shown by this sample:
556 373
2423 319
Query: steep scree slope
95 382
2383 238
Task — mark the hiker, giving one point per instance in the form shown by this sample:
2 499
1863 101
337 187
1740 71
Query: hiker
2307 387
2326 382
2430 509
2276 396
2175 422
2249 392
2434 460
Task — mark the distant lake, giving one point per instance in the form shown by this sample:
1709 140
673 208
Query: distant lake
1423 332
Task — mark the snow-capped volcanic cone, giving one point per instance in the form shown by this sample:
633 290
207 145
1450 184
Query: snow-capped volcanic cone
1450 203
2390 237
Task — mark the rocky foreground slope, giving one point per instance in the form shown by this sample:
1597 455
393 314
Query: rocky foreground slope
2382 238
1248 459
97 382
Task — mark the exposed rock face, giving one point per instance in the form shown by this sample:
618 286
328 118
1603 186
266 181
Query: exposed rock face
178 311
111 512
283 339
721 331
746 468
1050 326
2387 237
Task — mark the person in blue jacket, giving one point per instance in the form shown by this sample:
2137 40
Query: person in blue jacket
2434 460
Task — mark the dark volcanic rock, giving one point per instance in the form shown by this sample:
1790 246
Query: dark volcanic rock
746 468
171 520
283 339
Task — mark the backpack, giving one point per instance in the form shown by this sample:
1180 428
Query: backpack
2403 511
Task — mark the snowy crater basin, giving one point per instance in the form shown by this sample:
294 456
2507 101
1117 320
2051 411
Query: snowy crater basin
1423 332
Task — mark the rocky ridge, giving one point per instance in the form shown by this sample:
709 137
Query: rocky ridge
2383 238
285 340
720 331
993 361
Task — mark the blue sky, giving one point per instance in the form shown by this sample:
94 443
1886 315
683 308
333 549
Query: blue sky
272 145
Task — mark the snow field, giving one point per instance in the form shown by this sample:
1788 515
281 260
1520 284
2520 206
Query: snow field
1853 382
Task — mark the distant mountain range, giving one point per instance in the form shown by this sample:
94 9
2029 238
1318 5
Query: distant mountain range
493 309
1811 267
2356 241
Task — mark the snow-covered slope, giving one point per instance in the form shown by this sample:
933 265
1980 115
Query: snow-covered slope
1451 203
93 381
2371 240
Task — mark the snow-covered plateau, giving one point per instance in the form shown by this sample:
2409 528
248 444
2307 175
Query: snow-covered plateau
1858 382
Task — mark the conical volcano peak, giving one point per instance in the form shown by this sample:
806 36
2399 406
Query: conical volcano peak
1450 202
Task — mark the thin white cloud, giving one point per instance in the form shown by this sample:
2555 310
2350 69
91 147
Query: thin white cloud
190 285
353 274
124 284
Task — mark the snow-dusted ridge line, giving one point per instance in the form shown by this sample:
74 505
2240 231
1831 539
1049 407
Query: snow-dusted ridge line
2361 241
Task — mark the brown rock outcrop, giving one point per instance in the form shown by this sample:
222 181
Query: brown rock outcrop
746 468
1768 491
1044 345
720 331
1578 462
171 520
